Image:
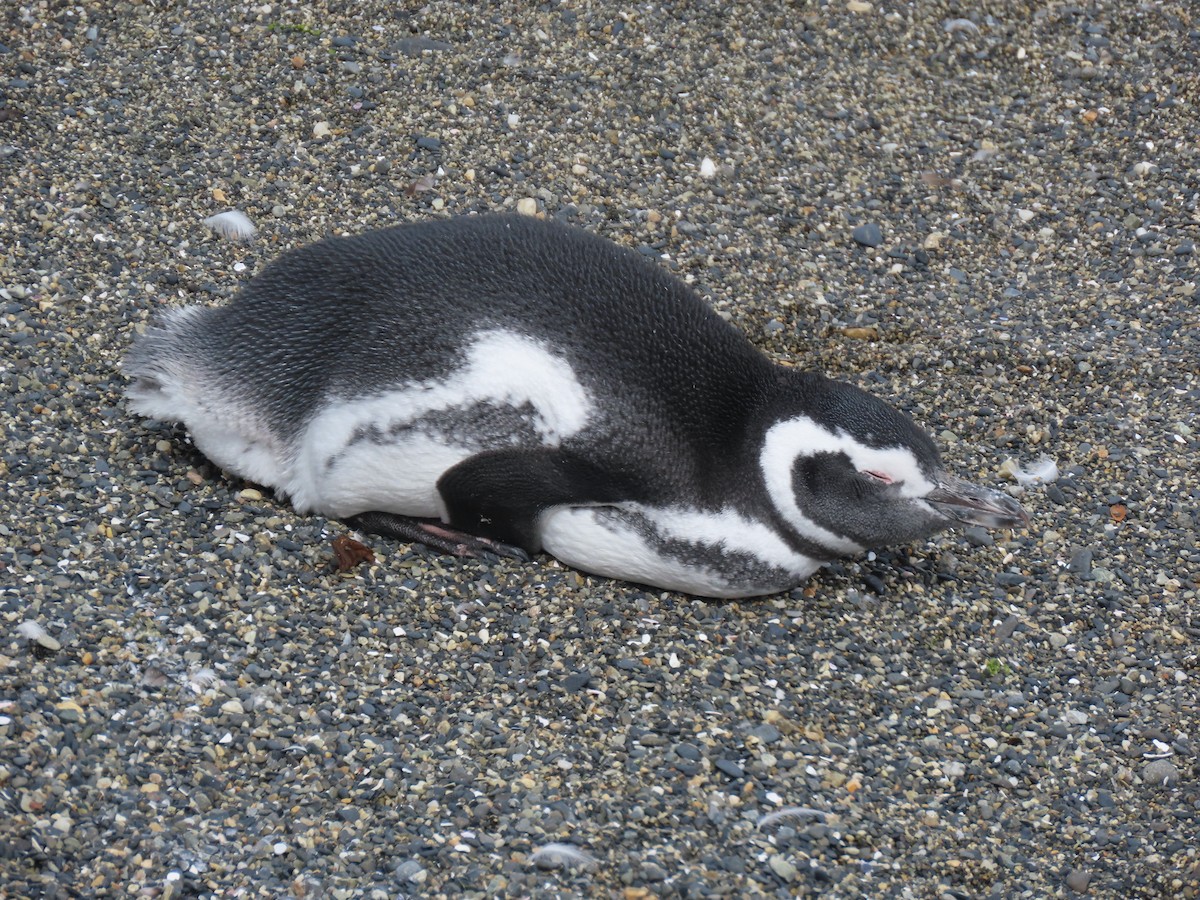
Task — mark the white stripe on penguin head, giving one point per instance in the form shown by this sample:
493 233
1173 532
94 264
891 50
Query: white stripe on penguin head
787 441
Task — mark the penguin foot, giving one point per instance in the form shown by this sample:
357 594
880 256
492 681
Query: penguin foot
435 535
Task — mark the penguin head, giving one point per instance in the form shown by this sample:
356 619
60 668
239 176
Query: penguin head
849 472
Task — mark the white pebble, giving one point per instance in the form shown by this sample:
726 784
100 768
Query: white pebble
527 206
708 168
321 129
1075 717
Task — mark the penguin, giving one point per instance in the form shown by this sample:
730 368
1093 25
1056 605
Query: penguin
504 384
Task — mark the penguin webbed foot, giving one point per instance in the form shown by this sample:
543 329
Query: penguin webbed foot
436 535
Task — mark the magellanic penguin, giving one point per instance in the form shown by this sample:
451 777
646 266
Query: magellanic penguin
500 382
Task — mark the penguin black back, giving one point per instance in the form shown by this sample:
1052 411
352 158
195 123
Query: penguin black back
348 301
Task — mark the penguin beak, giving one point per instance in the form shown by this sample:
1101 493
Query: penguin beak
969 504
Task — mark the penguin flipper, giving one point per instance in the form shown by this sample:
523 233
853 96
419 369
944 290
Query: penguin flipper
433 534
501 493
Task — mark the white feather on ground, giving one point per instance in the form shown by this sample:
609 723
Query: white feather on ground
955 25
202 679
1044 471
561 856
790 812
32 631
234 225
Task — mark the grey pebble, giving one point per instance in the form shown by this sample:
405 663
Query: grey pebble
653 872
576 681
410 870
1081 563
978 537
767 733
1006 628
869 235
783 868
730 768
1160 773
1078 880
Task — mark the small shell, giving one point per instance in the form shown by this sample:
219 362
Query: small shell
561 856
790 812
234 225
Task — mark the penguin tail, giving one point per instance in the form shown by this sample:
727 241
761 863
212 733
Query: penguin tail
162 369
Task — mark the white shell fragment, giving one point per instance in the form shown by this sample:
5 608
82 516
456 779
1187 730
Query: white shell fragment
1044 471
32 631
234 225
561 856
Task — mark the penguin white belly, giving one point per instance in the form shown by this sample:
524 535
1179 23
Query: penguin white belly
386 452
708 553
399 476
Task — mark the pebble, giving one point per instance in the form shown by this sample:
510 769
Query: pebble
221 714
978 537
1160 773
784 869
1081 563
1078 880
869 235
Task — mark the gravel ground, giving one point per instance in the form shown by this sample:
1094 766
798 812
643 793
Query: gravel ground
985 213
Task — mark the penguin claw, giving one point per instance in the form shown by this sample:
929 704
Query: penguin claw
438 536
495 550
460 543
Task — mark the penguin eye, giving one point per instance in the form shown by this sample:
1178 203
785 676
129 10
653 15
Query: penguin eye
881 477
